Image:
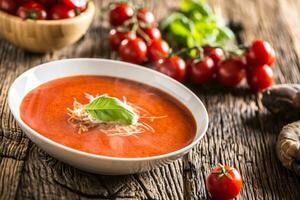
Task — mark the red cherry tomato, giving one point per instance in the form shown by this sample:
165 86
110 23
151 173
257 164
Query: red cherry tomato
260 78
146 18
133 50
78 4
115 38
9 6
260 53
22 1
120 13
188 64
152 33
217 54
32 10
47 2
157 49
61 11
201 71
224 183
173 66
231 72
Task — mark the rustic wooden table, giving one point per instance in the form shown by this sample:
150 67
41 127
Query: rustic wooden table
241 132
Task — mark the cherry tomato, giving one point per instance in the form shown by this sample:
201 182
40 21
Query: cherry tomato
157 49
173 66
152 33
120 13
260 53
188 64
224 182
260 78
202 70
47 2
133 50
115 38
146 18
22 1
78 4
32 10
61 11
217 54
9 6
231 72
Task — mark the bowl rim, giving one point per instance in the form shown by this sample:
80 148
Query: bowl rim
89 11
96 156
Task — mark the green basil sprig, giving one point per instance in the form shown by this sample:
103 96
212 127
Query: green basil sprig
111 109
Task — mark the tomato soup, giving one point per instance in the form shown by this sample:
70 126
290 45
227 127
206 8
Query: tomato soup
44 109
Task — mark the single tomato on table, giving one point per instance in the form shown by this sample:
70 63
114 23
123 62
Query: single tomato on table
32 10
9 6
202 70
224 182
120 13
157 49
133 50
231 71
173 66
61 11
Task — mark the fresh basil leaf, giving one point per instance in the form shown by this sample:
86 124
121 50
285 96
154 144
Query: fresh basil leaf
200 6
196 25
111 109
165 23
225 34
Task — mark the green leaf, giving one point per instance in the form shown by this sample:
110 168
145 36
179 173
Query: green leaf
187 6
165 23
111 109
196 25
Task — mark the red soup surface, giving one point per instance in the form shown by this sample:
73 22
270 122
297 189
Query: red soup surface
44 109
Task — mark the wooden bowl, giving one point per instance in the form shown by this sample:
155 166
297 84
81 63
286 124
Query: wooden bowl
42 36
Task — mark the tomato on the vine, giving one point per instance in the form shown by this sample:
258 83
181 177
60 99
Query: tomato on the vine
231 71
146 18
260 53
202 70
224 182
152 33
133 50
78 4
120 13
157 49
32 10
217 54
260 78
61 11
9 6
172 66
115 38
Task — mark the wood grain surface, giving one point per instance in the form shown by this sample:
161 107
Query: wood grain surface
241 132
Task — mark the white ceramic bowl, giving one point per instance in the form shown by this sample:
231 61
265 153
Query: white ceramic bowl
96 163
